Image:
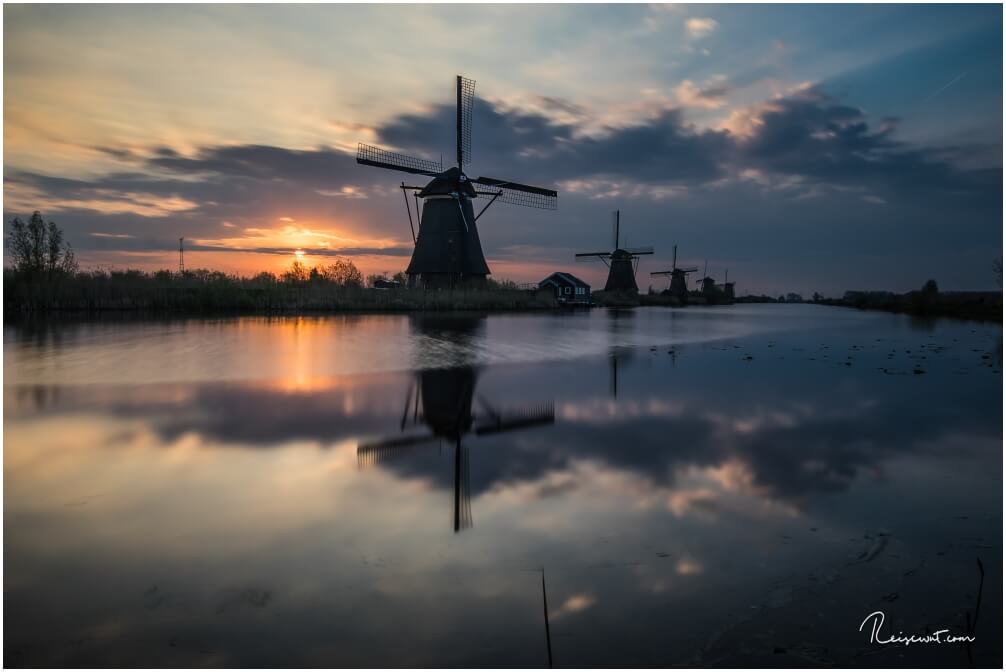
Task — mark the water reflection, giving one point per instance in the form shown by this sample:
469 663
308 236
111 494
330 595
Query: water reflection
441 401
702 503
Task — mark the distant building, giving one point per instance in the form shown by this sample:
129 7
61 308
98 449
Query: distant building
384 283
567 288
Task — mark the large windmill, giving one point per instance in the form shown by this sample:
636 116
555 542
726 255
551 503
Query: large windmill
448 251
441 401
621 262
679 278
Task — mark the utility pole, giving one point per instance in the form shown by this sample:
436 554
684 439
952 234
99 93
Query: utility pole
181 257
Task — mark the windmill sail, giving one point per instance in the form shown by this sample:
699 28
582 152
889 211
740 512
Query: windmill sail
369 155
528 416
466 99
518 194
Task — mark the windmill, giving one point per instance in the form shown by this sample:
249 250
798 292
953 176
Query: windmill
621 262
441 400
708 284
679 278
448 252
728 287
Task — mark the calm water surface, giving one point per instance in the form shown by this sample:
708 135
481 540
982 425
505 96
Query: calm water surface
736 486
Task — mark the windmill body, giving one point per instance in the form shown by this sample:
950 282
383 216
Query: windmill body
448 251
679 282
621 262
728 287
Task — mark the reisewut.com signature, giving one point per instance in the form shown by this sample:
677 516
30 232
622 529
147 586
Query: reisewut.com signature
943 636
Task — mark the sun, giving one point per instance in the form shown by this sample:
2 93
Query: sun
299 254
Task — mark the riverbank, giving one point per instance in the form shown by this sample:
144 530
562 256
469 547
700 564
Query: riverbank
209 292
977 306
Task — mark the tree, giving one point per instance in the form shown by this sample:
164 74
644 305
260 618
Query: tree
817 297
37 248
343 272
297 273
401 278
923 301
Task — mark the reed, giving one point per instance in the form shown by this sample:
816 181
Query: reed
204 291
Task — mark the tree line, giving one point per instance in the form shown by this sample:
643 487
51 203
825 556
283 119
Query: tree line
43 277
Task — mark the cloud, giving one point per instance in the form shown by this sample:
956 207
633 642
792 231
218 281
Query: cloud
800 147
572 605
97 234
712 95
697 28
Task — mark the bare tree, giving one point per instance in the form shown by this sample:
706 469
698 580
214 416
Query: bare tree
37 249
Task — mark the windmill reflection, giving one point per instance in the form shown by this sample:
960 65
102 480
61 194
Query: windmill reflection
439 407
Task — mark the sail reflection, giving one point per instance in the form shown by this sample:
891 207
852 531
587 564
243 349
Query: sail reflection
440 401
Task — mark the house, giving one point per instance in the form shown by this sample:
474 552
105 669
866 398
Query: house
567 288
384 283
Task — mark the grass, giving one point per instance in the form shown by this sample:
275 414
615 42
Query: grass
213 292
980 306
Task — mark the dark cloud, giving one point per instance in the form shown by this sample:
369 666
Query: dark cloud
811 136
527 145
814 169
314 251
807 135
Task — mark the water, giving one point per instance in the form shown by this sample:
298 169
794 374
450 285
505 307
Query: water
735 486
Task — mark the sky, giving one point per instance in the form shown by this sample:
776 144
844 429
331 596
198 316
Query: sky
798 147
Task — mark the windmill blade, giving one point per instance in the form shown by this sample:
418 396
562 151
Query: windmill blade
488 408
462 489
689 270
614 229
466 98
519 194
369 155
587 256
662 273
640 250
520 418
373 452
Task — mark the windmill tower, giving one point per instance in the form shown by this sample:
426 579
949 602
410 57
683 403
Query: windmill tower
728 287
621 263
448 251
708 285
679 278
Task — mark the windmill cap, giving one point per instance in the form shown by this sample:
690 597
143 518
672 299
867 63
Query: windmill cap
451 181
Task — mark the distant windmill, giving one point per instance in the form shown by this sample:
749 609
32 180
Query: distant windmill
708 284
442 399
728 287
621 263
448 251
679 277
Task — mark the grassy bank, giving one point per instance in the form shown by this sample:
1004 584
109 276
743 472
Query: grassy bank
196 292
981 306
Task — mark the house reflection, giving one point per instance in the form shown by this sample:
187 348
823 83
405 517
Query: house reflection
442 405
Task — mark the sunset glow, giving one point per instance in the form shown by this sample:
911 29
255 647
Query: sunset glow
754 138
